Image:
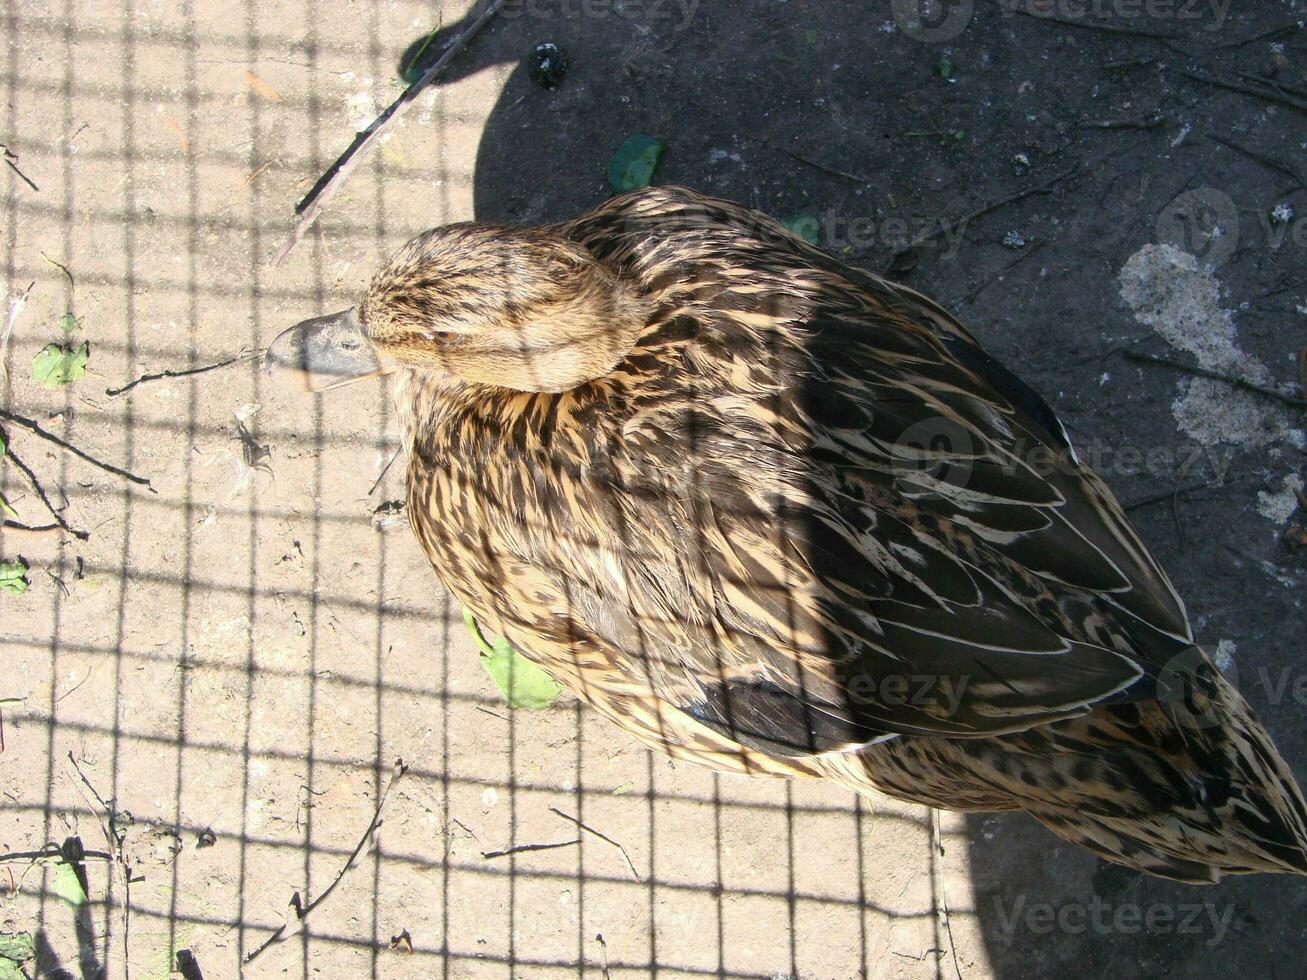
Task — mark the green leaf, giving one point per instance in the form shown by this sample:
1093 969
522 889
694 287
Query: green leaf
16 946
4 506
56 365
522 683
632 166
68 886
68 323
945 66
13 576
805 226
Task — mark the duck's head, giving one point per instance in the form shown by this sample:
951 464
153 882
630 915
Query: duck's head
519 308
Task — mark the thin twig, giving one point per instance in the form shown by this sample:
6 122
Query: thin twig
11 158
121 869
163 375
998 274
603 837
1273 83
1233 86
60 523
1146 122
310 208
939 882
287 930
518 849
1217 376
824 168
966 219
50 852
1261 158
1268 35
14 527
72 284
1090 25
1157 498
384 470
31 426
1129 63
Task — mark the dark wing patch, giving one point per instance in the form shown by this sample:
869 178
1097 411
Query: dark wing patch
761 715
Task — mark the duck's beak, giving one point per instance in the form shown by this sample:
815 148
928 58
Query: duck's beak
325 352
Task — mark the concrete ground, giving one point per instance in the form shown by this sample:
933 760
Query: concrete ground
237 654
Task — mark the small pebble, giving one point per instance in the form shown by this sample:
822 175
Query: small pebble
1021 163
548 64
1282 213
1014 240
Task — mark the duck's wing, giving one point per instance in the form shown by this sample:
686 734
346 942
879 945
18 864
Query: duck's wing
850 522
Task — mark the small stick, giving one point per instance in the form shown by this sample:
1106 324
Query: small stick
979 212
310 208
11 158
1273 83
31 426
123 872
1129 63
529 847
1302 372
286 931
384 470
603 837
60 523
1089 25
943 895
1267 35
1261 158
1217 376
62 268
162 375
991 279
824 168
1172 495
50 852
1234 86
13 527
1148 122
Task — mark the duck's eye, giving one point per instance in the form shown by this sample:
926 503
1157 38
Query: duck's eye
437 335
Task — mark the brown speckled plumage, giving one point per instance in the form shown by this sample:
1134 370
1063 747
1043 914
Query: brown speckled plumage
788 518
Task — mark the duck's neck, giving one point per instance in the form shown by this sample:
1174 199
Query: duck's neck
420 395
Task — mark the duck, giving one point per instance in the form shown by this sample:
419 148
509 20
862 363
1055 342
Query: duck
775 515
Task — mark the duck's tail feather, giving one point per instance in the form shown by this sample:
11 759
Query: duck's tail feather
1187 787
1221 799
